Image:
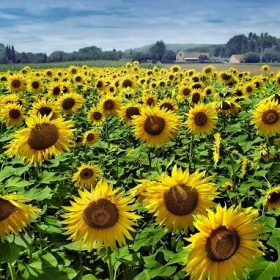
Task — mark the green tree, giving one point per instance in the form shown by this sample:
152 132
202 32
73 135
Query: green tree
157 51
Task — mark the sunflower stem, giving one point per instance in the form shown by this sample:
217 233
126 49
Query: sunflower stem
110 265
12 271
191 150
149 157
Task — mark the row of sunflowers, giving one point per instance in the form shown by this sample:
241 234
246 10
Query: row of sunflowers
135 173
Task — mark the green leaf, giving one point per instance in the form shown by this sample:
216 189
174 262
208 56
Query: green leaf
49 177
39 194
9 251
89 277
16 183
144 275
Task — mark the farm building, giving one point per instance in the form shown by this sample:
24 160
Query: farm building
185 56
236 58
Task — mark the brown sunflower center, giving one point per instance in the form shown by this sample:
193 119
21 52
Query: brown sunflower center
181 200
127 83
200 119
249 89
43 136
35 85
68 103
186 91
195 97
154 125
274 197
6 209
73 71
167 106
86 173
56 91
97 116
150 101
44 111
222 243
270 117
78 79
208 70
225 106
14 113
101 214
109 105
132 111
16 83
90 137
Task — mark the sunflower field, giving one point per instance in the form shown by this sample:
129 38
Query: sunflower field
134 173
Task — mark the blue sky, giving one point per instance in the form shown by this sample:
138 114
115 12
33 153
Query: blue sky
48 25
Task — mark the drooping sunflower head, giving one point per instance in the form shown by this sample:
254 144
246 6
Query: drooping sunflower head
227 242
95 115
90 137
70 102
128 82
168 104
128 111
15 215
226 77
266 118
44 137
272 198
45 108
86 176
177 198
12 114
100 218
228 106
202 119
156 127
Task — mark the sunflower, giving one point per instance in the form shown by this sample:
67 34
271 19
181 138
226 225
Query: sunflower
8 99
66 87
90 137
86 176
175 199
216 148
70 102
208 71
12 114
184 92
228 185
265 68
16 83
127 82
156 127
168 104
109 104
202 119
15 215
196 96
101 217
266 118
225 244
55 89
95 115
272 198
35 85
225 77
149 99
277 79
244 166
45 108
42 139
128 111
228 106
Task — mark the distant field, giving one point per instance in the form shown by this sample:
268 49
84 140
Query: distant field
252 67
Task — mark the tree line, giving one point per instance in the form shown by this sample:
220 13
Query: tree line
256 48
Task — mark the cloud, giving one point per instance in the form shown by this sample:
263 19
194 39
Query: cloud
45 26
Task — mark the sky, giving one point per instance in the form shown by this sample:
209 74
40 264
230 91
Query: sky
49 25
